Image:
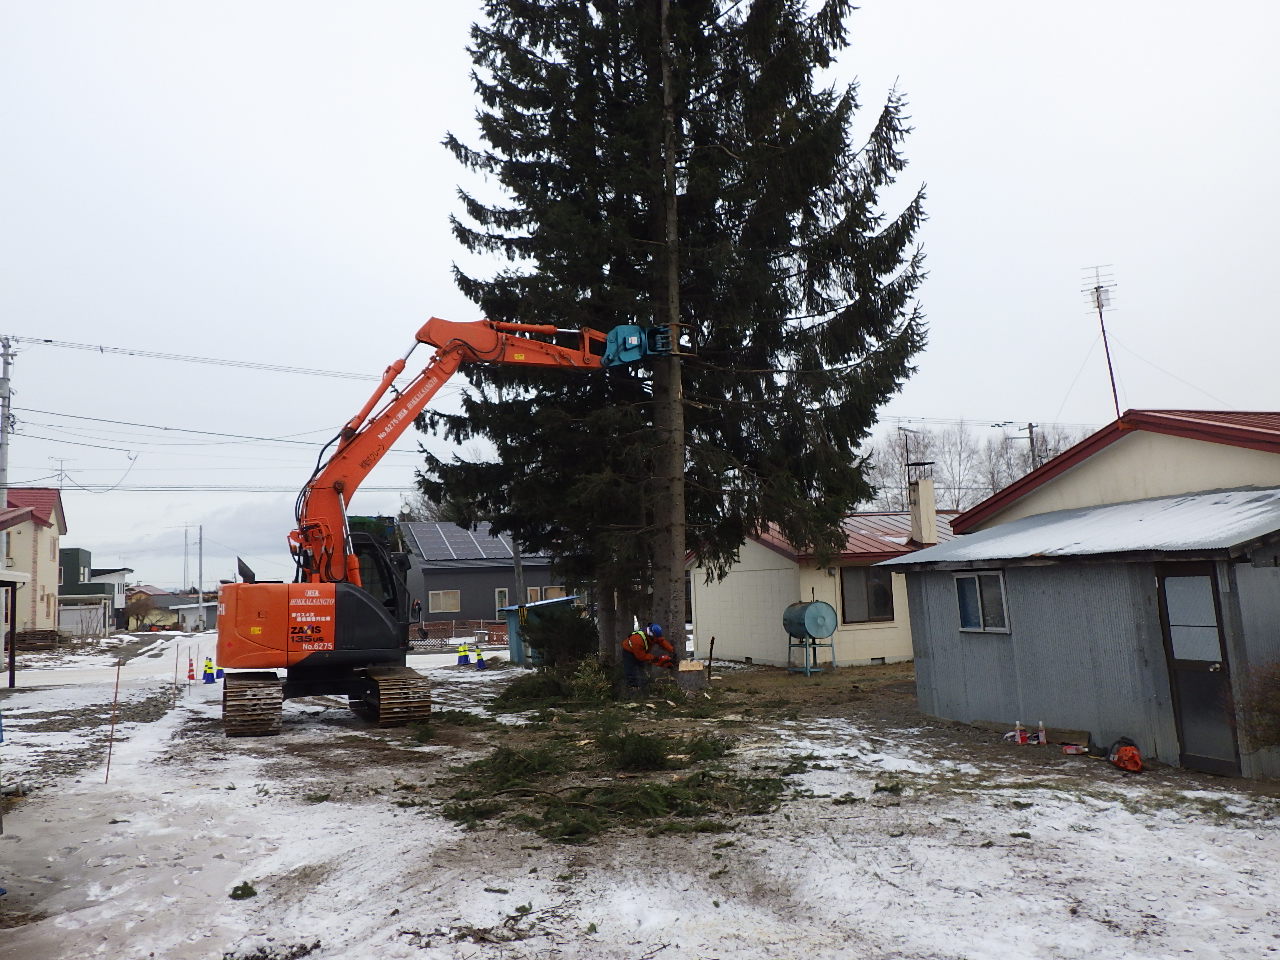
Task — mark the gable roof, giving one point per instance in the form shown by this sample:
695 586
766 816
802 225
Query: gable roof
14 516
868 537
45 503
449 544
1255 431
1196 524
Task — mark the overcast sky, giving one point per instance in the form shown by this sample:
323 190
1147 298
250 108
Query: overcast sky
264 183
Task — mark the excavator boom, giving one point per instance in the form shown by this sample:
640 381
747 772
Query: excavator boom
320 543
342 627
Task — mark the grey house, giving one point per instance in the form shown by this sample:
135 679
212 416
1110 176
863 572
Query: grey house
461 574
1130 587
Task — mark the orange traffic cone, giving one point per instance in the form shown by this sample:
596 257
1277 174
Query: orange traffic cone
191 669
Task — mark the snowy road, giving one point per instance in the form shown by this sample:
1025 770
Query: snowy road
889 851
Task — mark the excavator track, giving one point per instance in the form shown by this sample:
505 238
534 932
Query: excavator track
251 704
403 696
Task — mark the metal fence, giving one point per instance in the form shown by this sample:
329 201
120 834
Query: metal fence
442 635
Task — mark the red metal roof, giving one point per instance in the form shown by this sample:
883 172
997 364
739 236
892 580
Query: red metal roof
1256 431
869 537
45 502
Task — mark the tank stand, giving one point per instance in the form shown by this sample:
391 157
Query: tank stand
809 653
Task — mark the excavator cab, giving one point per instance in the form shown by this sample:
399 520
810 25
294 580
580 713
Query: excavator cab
382 576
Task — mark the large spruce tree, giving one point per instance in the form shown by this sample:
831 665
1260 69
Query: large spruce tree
796 291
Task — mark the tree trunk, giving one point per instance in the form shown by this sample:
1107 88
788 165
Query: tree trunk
607 622
668 391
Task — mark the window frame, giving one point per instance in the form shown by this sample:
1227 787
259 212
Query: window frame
505 594
866 588
532 595
976 576
435 599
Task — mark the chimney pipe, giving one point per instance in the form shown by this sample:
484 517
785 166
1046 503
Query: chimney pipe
924 511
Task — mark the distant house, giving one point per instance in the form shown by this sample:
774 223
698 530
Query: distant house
461 574
160 612
743 612
118 578
189 615
1128 587
34 522
143 588
85 608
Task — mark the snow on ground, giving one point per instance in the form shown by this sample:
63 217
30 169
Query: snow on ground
888 849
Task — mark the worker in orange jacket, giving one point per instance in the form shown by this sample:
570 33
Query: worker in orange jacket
638 649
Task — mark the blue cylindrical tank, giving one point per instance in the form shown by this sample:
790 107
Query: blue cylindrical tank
814 620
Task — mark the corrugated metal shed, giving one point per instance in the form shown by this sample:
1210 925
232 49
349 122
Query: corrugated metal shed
1193 523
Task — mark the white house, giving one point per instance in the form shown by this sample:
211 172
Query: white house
743 612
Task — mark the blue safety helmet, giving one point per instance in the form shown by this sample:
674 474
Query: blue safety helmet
655 630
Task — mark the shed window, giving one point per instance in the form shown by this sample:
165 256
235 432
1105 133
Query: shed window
866 594
981 600
444 601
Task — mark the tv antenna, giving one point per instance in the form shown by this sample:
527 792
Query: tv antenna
1097 290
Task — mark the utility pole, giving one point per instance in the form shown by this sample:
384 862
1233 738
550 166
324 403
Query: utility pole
6 362
668 392
10 604
1031 442
200 578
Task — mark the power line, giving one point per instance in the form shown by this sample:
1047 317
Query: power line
154 355
210 488
206 433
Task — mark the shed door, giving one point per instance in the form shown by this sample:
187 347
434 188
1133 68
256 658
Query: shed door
1198 668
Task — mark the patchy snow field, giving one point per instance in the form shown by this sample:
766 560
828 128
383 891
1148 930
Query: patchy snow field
892 845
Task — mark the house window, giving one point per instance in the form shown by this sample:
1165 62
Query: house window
866 594
552 593
444 601
500 600
534 594
980 597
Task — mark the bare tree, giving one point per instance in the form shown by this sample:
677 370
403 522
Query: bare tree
139 610
957 456
966 468
416 505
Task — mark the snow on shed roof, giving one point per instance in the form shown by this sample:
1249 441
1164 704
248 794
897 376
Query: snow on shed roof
1197 522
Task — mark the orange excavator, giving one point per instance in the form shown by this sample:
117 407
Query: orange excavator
342 626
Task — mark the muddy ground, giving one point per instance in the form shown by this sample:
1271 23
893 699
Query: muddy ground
836 814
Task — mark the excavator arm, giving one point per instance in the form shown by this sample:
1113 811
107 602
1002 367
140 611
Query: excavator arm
321 544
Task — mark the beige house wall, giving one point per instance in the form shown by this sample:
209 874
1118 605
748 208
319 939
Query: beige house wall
1142 465
859 643
744 612
34 550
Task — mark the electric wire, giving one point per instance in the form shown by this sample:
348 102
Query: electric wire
286 440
